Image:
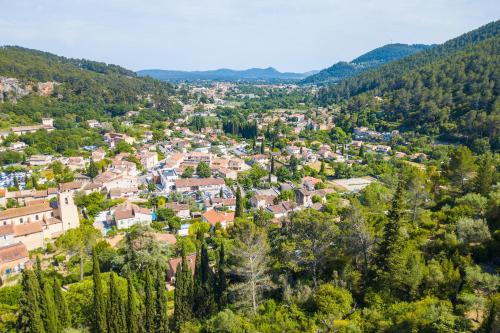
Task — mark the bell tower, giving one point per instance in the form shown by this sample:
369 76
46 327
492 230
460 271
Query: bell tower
68 212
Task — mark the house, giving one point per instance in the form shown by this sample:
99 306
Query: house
261 159
128 214
93 123
174 263
98 155
17 146
214 217
262 201
305 197
113 138
13 259
47 124
210 185
76 163
181 210
166 177
39 160
282 209
148 159
310 182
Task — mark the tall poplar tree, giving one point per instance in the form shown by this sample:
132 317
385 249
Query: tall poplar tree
99 302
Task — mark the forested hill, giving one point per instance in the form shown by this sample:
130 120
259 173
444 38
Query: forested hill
223 74
374 78
369 60
87 88
449 91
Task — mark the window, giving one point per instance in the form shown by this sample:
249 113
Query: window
21 220
36 217
66 201
51 214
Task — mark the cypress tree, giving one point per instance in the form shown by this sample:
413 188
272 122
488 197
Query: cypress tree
205 301
30 317
116 311
161 319
61 306
183 294
132 308
322 168
391 239
262 146
149 303
93 170
99 303
46 302
272 164
220 281
239 203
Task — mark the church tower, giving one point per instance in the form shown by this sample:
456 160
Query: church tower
68 212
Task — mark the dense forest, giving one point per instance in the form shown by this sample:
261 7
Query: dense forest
375 58
450 90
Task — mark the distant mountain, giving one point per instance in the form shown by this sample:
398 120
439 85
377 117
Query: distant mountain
375 58
223 74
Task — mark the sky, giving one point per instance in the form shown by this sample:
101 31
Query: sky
290 35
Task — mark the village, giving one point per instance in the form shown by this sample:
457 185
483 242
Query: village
197 173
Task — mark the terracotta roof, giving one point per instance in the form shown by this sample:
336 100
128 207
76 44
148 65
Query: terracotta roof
6 230
191 259
27 228
70 186
27 210
213 217
189 182
3 192
165 238
176 207
13 252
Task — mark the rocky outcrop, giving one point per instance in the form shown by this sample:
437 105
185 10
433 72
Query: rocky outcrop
11 89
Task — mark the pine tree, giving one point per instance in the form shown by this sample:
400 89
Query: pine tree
92 170
485 175
221 283
116 310
161 319
183 295
239 203
132 308
391 239
61 306
30 316
149 303
99 302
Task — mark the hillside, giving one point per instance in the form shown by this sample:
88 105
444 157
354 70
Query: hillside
84 88
374 78
449 91
223 74
375 58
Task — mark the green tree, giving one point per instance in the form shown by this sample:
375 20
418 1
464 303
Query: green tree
99 308
161 320
461 166
30 316
149 303
203 170
485 175
238 212
92 170
116 311
188 172
60 301
183 294
262 146
203 303
220 289
132 307
46 302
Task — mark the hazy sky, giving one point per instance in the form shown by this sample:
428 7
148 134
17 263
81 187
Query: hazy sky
291 35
